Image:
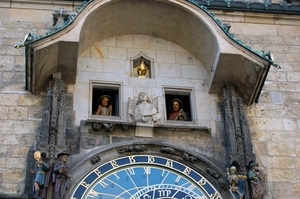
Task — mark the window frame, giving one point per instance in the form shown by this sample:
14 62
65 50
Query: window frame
112 88
182 94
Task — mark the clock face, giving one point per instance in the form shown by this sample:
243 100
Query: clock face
144 177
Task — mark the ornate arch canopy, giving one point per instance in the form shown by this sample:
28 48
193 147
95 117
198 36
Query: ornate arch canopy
181 22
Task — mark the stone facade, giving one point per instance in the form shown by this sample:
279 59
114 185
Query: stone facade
274 120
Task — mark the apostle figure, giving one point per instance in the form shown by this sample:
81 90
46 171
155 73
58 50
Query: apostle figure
256 182
105 107
61 176
177 112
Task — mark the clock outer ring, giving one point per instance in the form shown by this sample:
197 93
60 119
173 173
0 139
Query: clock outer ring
100 171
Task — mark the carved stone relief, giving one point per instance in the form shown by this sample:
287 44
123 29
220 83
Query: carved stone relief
144 110
56 136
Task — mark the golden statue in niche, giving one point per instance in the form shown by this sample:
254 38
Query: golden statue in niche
142 70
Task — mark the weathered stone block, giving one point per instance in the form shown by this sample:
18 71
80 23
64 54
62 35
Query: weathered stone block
281 148
32 100
144 130
125 41
276 97
7 63
269 40
166 57
281 162
292 57
290 124
266 110
260 135
259 147
10 188
193 72
12 77
18 113
253 29
266 124
294 40
117 53
4 112
142 42
283 175
298 148
296 189
169 70
283 136
259 18
297 162
25 15
4 14
291 86
99 52
134 52
284 30
9 99
12 33
277 76
28 138
35 112
158 43
280 189
184 58
19 152
90 64
15 163
114 66
15 51
10 139
13 175
174 47
10 127
5 151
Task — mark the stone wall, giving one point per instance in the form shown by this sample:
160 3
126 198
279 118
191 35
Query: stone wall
274 120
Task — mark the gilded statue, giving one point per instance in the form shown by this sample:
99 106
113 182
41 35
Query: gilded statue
142 70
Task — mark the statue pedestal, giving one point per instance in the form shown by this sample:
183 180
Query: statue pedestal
144 130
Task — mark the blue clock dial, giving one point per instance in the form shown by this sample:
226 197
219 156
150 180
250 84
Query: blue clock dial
144 177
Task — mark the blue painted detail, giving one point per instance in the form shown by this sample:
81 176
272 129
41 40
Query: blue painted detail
266 3
247 3
144 176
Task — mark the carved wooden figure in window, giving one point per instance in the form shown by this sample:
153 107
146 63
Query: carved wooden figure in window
105 107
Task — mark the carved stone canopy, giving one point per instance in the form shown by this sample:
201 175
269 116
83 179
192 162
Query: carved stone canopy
224 59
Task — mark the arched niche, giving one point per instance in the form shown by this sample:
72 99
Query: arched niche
136 63
180 22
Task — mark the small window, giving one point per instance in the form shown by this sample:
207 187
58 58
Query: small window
178 104
105 100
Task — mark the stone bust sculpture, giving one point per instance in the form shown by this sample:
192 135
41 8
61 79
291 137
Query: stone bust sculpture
143 110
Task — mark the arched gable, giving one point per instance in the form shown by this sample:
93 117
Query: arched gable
181 22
